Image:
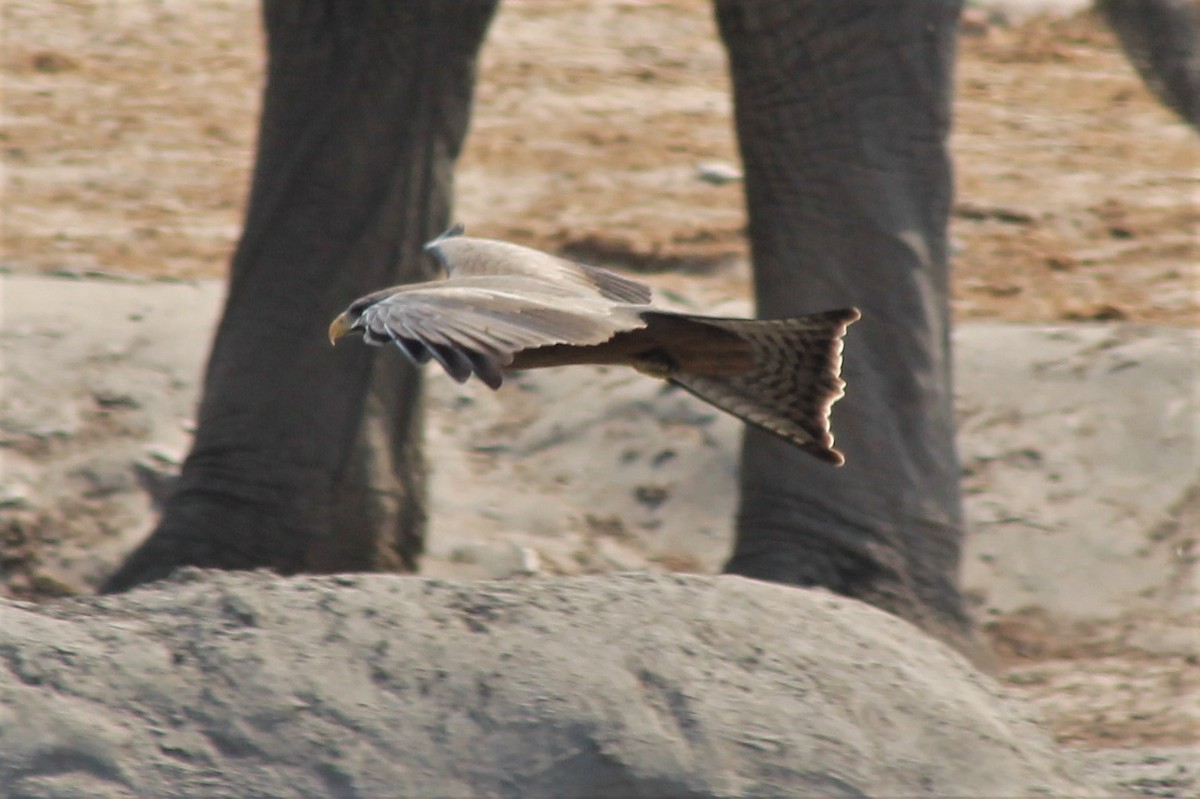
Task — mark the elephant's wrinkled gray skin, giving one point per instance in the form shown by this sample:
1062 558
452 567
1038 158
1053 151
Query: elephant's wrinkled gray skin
1162 40
843 113
308 459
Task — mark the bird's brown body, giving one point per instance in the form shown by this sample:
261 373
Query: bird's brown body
668 341
505 307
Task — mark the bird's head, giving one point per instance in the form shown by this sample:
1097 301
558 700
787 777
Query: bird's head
342 325
351 319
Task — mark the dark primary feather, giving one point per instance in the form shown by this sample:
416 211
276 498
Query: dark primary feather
616 287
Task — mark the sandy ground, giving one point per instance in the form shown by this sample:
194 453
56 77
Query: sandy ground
1077 202
1077 191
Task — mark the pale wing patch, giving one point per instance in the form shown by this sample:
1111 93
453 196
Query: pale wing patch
479 332
462 256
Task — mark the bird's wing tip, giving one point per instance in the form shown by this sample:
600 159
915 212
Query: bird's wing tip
828 454
457 229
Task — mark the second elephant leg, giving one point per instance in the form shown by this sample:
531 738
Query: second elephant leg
842 113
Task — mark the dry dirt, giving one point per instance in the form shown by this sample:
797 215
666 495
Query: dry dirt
128 130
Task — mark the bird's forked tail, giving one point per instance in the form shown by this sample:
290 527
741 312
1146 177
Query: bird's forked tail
794 382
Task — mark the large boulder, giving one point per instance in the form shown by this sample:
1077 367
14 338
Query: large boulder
244 685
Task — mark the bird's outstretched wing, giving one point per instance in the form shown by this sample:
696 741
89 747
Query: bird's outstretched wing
478 329
470 257
505 306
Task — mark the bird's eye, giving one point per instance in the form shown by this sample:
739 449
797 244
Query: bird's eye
358 306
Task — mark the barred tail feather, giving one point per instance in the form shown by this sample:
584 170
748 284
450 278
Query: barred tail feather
795 380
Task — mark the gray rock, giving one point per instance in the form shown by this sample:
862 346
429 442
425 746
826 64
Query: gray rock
1078 442
244 685
1167 772
718 173
1079 438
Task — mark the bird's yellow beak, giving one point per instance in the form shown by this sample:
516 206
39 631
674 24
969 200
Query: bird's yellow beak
340 327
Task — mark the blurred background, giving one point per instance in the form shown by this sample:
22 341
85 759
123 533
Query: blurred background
602 130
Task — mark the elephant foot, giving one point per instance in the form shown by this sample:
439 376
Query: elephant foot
808 562
210 531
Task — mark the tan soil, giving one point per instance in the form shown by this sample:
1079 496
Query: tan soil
130 127
128 134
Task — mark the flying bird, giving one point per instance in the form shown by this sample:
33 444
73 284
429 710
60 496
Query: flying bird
506 307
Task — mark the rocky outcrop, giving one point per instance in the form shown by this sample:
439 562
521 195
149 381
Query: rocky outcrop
237 685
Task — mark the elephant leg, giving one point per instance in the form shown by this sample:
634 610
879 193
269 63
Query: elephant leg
306 458
1162 40
842 112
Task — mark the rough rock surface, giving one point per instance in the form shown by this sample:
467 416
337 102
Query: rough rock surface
1077 440
629 685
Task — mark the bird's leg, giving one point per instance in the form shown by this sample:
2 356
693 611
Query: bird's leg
655 363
